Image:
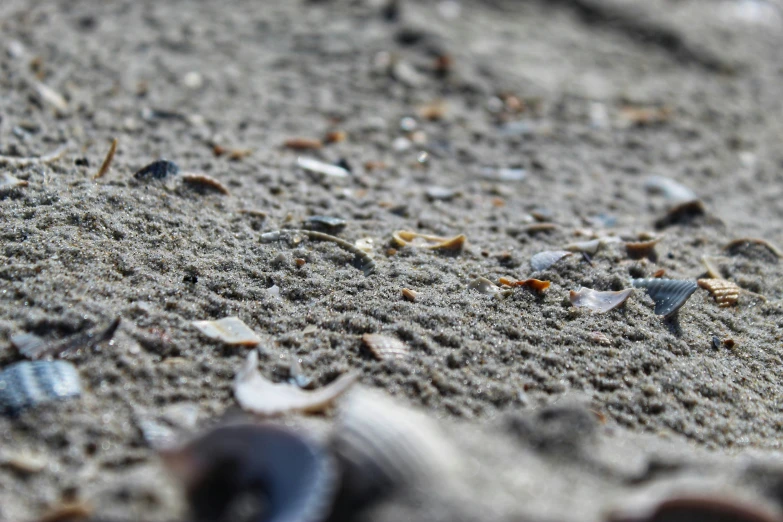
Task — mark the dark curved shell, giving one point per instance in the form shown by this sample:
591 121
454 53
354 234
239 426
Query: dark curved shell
27 384
290 478
668 294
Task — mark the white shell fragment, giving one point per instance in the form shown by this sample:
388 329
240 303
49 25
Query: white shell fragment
674 192
668 294
385 347
258 395
230 330
319 167
599 302
8 182
487 287
546 259
27 384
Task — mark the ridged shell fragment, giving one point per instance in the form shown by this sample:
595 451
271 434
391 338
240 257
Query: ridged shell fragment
383 347
724 292
597 301
544 260
230 330
384 447
668 294
294 475
409 238
27 384
258 395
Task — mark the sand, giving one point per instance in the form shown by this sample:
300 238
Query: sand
590 98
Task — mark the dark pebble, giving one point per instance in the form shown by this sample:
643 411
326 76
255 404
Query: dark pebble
158 170
325 223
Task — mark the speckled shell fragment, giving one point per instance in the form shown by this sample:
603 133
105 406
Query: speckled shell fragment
668 294
27 384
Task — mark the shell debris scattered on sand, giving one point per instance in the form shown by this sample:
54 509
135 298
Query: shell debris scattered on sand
293 475
668 294
27 384
544 260
202 180
362 260
724 292
736 244
258 395
33 347
383 447
409 238
535 284
330 224
597 301
384 347
230 330
8 182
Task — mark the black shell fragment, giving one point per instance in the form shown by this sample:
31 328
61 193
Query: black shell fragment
668 294
291 477
158 170
325 223
27 384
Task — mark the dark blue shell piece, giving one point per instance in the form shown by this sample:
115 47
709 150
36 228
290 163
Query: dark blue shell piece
29 383
158 170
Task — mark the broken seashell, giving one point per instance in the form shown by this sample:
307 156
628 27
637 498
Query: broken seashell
383 447
588 247
673 191
711 264
325 223
536 284
736 244
724 292
24 462
544 260
409 294
385 347
409 238
599 302
258 395
642 249
230 330
320 167
272 472
681 214
202 180
8 182
484 286
503 174
540 227
668 294
365 244
27 384
158 170
303 144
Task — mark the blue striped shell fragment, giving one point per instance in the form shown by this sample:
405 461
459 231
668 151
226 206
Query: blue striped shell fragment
30 383
668 294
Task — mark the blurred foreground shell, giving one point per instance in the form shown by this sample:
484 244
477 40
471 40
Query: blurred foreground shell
27 384
385 347
382 447
258 395
668 294
409 238
697 509
546 259
230 330
264 473
599 301
724 292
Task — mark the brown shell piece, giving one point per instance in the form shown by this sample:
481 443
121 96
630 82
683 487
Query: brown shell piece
534 284
68 512
302 144
681 214
642 249
724 292
409 294
409 238
737 243
202 180
258 395
230 330
599 302
383 347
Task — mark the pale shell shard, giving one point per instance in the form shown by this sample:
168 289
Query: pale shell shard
673 191
544 260
484 286
668 294
8 182
711 264
292 473
258 395
597 301
724 292
230 330
384 347
27 384
588 247
410 238
383 447
319 167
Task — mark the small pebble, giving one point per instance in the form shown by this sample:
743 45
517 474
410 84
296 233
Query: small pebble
158 170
